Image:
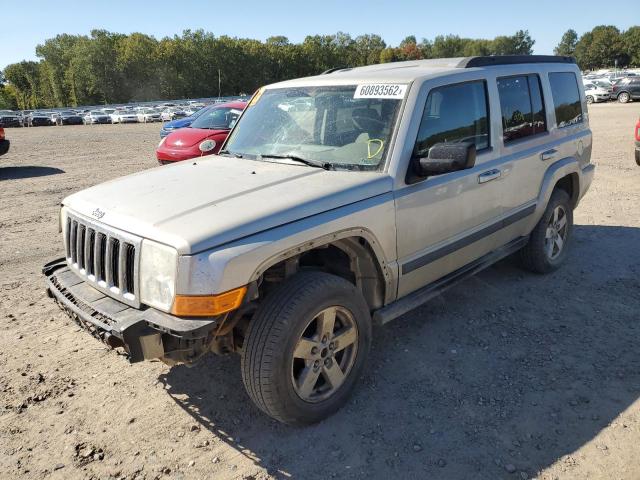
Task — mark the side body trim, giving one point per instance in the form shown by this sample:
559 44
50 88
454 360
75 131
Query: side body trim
466 241
426 293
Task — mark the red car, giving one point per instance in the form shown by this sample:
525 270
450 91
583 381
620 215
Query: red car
204 136
4 143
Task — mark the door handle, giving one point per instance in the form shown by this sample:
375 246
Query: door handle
489 175
548 155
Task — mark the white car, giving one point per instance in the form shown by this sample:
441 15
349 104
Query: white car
173 113
125 116
146 115
96 116
596 93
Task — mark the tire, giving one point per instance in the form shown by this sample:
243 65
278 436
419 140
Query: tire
544 254
624 97
289 321
589 99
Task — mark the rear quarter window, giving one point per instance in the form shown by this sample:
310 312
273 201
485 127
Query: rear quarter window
566 98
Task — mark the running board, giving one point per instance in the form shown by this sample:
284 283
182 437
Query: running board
426 293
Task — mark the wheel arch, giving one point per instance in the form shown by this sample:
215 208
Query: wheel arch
563 174
360 253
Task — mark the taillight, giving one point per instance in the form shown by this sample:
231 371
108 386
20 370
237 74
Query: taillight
1 133
638 131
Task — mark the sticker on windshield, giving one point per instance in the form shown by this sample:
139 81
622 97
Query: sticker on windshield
380 90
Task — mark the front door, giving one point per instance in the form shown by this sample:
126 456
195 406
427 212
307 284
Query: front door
448 220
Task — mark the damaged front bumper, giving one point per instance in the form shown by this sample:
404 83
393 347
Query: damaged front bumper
143 334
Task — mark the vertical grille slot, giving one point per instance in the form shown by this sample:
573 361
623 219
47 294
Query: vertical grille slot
72 242
90 249
129 268
67 239
114 262
80 246
102 256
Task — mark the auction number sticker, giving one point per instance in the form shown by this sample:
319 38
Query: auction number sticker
380 90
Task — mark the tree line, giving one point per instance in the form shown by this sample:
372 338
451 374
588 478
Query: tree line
106 67
603 47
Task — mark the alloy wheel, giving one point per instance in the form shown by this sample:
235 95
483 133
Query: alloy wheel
556 233
324 354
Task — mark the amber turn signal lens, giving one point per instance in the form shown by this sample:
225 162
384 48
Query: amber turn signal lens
208 305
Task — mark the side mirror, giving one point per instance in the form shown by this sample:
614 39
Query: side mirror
447 157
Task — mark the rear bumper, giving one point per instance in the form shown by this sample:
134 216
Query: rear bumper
143 334
4 147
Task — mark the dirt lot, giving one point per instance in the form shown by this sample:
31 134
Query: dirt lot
509 375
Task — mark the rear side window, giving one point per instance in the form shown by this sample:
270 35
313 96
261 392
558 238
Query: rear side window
522 107
566 98
454 113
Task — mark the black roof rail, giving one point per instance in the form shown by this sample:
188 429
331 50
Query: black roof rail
487 61
335 69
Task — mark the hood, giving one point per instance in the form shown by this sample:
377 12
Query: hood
187 137
198 205
181 123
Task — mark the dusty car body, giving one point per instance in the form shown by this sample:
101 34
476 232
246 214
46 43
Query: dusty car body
337 202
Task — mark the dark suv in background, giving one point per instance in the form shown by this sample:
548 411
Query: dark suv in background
626 89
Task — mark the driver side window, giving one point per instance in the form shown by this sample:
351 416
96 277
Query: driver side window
454 113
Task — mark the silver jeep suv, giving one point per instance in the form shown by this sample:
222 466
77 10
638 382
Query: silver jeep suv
338 202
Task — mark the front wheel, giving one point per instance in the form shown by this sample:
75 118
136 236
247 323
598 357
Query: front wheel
624 97
589 99
305 348
549 240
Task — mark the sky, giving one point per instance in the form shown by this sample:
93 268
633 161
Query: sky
25 25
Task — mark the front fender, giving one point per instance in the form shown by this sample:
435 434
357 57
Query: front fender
243 261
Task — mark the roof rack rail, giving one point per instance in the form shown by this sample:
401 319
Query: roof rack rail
487 61
335 69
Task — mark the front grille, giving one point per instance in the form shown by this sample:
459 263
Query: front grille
106 258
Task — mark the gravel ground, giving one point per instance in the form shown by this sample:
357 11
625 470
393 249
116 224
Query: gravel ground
509 375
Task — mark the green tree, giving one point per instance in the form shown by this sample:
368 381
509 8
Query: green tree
568 43
631 39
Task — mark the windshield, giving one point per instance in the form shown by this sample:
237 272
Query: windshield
348 127
222 118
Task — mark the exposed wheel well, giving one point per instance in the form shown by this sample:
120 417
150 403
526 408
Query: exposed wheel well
351 258
570 184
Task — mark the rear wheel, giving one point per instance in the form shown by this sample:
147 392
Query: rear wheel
549 240
624 97
306 347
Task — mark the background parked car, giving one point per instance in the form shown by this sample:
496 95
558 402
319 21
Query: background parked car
205 136
9 118
626 89
41 119
174 125
126 116
173 113
146 115
69 117
594 93
4 143
96 116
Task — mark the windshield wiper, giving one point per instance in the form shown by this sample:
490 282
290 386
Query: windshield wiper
295 158
230 154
